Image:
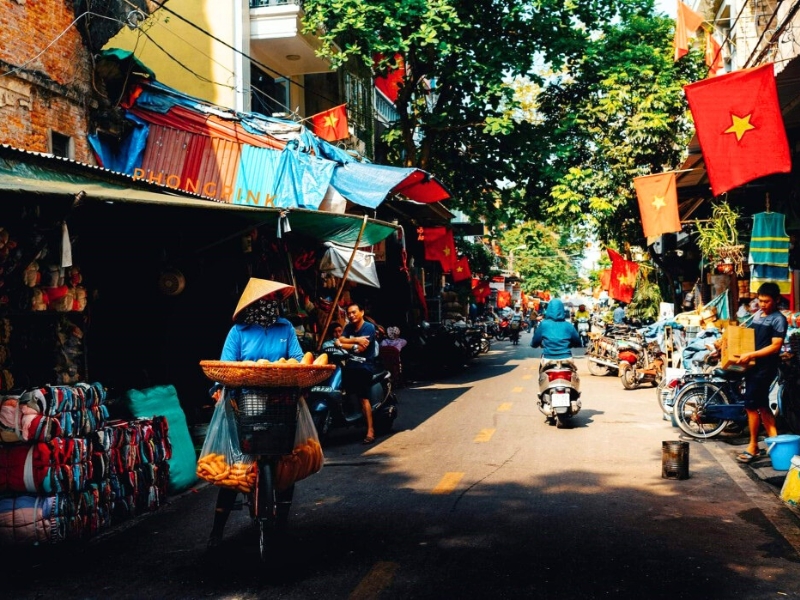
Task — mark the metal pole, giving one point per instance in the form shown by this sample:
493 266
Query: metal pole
341 285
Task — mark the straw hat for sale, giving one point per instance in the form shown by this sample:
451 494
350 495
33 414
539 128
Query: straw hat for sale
257 289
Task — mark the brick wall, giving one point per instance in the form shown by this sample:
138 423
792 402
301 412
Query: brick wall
48 87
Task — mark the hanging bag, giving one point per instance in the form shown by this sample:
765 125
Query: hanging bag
306 458
221 461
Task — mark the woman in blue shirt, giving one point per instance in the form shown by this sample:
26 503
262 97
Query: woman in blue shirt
258 332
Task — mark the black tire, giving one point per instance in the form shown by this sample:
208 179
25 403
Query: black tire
500 336
688 410
562 421
627 375
267 515
486 345
598 370
383 423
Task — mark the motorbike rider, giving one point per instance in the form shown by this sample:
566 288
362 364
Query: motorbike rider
555 335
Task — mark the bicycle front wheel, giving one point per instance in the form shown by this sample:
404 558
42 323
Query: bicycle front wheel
690 409
790 405
266 508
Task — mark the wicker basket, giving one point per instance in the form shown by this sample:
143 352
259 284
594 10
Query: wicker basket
235 374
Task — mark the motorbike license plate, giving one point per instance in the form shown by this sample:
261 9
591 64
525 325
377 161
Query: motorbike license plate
559 399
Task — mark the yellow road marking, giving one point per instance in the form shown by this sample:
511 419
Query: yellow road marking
504 407
379 578
448 483
527 376
517 389
485 435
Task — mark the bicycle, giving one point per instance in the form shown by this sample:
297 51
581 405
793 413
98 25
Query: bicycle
706 406
266 426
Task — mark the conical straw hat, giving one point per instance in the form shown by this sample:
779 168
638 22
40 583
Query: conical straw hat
257 289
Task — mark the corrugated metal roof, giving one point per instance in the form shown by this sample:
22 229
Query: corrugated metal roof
44 175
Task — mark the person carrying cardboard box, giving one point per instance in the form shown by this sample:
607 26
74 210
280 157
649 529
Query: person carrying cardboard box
770 330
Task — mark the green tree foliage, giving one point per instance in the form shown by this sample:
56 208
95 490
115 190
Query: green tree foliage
546 258
481 260
459 115
617 113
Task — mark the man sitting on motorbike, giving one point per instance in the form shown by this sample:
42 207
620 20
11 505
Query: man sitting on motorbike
582 313
555 335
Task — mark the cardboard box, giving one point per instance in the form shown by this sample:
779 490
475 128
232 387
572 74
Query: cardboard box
735 342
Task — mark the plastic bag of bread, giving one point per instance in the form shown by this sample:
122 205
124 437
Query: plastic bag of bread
306 458
221 461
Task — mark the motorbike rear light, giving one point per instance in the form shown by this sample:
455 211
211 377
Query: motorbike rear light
556 374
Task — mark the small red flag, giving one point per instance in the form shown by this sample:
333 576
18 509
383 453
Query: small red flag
713 56
481 289
739 126
461 270
390 83
605 279
331 124
503 299
623 277
439 245
687 22
658 203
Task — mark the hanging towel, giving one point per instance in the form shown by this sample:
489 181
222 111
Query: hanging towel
769 252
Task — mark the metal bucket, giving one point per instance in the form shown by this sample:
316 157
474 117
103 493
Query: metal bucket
675 460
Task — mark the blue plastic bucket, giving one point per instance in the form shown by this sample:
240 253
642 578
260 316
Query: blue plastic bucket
781 449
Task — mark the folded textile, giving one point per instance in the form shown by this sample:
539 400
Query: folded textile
46 467
29 520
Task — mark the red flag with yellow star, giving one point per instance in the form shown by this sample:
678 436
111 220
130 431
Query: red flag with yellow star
658 203
331 124
623 277
687 22
439 245
740 127
461 270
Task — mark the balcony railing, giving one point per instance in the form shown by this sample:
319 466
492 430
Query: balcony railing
384 108
263 3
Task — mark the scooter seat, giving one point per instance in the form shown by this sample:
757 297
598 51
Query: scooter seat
324 389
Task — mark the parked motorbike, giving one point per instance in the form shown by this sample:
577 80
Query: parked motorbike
559 391
602 353
332 408
639 362
583 326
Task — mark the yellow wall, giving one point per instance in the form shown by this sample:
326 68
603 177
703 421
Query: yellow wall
205 59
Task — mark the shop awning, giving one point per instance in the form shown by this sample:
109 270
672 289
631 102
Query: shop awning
44 175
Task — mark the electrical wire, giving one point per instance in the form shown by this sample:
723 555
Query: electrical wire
161 4
58 37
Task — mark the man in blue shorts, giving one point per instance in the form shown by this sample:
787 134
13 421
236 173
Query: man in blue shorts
358 338
770 327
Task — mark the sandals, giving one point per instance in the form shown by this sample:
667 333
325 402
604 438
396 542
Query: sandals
747 457
370 439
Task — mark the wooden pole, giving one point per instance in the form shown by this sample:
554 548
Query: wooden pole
341 285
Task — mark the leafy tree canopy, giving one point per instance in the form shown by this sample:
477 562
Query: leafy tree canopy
456 105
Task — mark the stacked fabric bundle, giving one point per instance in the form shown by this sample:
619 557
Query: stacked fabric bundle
42 414
107 470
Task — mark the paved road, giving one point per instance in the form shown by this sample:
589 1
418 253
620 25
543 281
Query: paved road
474 496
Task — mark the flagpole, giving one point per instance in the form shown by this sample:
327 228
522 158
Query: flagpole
335 304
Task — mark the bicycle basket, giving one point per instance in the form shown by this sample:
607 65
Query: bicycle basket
267 421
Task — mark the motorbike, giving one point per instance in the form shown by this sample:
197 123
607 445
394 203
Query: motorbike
559 391
514 328
583 326
502 330
602 353
639 362
332 408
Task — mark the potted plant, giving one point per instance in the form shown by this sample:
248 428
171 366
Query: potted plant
718 238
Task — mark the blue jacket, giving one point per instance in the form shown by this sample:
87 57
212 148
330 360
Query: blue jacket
554 334
253 342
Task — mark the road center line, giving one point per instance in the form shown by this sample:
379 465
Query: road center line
517 390
448 483
484 435
379 578
504 407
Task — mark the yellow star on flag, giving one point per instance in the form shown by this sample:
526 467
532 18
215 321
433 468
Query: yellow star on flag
331 121
739 126
627 279
459 269
446 251
658 202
